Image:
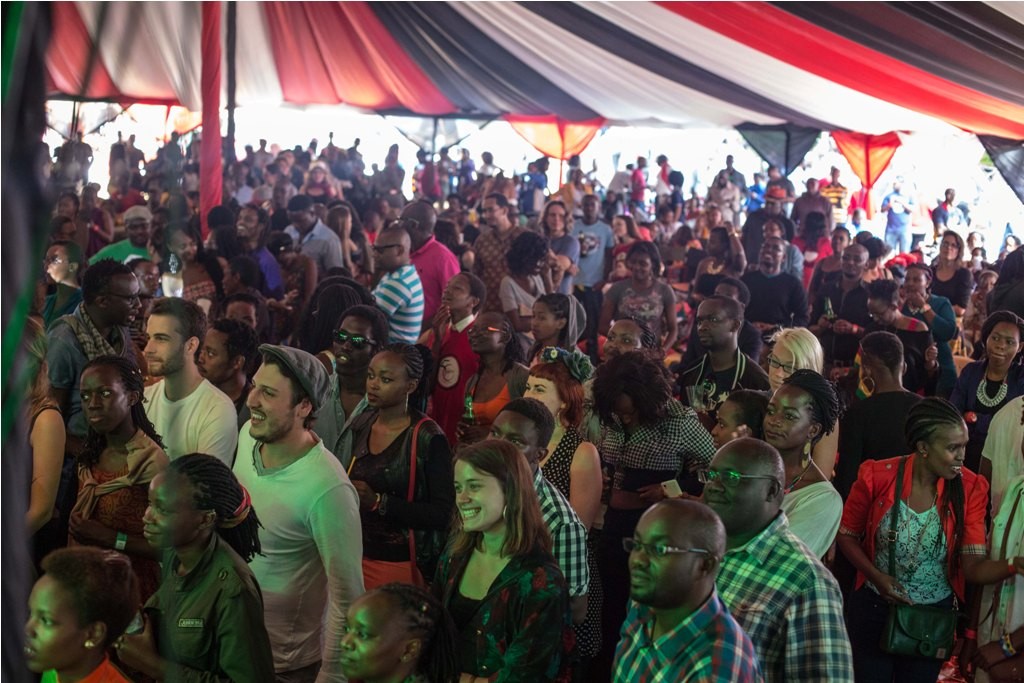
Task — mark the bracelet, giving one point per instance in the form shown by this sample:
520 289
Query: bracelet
970 634
1006 643
1011 567
122 541
376 503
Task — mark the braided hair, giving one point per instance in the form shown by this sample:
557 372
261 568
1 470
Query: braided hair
217 489
424 616
923 420
418 363
648 340
131 379
826 407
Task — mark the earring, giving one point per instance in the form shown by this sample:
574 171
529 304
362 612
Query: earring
89 644
504 510
807 449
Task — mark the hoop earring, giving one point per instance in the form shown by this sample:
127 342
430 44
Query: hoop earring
870 389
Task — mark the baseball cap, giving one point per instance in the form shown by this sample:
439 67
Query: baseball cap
775 194
137 213
310 373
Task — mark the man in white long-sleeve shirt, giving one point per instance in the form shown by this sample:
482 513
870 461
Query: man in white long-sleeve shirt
311 535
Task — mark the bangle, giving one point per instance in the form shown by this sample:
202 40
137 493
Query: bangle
122 541
376 503
970 634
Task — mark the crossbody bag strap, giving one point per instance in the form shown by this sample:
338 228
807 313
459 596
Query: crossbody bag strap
893 518
412 484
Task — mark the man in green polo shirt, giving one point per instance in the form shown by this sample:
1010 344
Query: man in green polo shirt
137 222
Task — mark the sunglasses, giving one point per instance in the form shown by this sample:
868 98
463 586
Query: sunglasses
357 342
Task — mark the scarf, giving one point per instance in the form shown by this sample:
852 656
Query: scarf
92 342
145 460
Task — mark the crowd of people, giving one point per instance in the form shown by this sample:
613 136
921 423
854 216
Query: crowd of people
327 432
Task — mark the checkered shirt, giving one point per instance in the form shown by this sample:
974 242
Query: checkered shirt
568 535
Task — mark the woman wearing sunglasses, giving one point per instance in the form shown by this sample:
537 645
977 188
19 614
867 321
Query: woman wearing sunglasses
402 470
798 349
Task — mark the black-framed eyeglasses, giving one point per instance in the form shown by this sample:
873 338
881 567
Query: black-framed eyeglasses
358 342
779 365
729 478
379 249
659 550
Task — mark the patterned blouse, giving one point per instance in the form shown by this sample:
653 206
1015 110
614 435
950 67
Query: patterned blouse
662 449
522 627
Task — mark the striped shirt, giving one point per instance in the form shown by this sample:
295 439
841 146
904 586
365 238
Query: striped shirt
790 606
400 295
708 645
568 535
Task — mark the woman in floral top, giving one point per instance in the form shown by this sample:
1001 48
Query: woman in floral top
497 577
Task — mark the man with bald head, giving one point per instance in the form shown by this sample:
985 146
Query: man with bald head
677 628
434 262
399 292
841 310
774 586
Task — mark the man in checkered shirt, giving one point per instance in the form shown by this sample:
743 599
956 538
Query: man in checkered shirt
774 586
678 629
527 424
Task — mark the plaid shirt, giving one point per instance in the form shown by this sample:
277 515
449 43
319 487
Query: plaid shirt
707 646
789 605
568 535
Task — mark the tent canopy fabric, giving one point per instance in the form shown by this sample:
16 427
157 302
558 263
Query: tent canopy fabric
870 68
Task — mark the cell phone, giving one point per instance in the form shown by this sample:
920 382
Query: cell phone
671 489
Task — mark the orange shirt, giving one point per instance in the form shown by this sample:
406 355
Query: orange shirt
106 672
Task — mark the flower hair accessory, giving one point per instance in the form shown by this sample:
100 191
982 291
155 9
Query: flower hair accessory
577 362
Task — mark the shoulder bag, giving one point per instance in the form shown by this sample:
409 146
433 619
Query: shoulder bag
915 630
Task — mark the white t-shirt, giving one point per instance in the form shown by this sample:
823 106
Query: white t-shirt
311 567
814 513
205 421
1003 448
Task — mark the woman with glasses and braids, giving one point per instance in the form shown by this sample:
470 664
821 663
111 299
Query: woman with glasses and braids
939 541
122 455
402 470
402 633
206 620
800 413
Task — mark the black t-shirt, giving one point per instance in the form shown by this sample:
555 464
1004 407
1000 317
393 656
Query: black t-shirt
851 307
778 300
872 429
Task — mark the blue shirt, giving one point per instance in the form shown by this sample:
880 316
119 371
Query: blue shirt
569 247
897 221
400 296
273 286
595 241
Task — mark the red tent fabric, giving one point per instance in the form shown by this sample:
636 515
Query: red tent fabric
556 137
869 156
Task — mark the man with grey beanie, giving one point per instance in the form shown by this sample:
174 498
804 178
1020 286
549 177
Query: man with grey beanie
309 510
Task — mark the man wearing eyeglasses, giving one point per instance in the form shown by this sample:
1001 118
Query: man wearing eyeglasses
399 290
723 368
776 589
677 628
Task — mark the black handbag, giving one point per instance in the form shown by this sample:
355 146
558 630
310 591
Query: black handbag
915 630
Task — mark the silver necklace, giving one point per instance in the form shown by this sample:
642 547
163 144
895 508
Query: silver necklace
983 398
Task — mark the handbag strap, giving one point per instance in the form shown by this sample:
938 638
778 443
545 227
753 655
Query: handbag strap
997 594
894 517
412 483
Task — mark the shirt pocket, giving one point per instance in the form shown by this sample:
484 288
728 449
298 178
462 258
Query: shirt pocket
193 643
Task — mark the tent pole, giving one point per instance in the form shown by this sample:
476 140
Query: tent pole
232 38
433 140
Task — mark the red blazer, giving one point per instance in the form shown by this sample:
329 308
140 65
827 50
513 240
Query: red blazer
874 494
